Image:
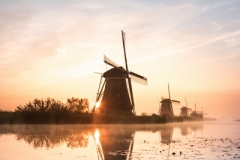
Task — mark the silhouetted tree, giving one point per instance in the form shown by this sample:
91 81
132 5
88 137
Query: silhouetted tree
77 105
49 105
42 106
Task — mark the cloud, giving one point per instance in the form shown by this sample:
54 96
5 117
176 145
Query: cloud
216 27
46 42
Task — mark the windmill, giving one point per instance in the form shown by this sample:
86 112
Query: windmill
185 110
116 94
197 114
166 105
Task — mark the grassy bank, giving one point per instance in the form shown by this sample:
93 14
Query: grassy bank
83 118
75 118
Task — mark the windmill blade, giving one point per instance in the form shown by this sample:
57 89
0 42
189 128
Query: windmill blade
110 62
129 81
176 102
133 78
138 78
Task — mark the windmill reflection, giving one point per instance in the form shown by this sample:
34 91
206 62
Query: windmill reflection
99 149
185 129
113 143
166 134
196 127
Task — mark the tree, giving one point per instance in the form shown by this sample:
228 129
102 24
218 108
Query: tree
77 105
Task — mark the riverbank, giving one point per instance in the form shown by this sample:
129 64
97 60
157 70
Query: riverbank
76 118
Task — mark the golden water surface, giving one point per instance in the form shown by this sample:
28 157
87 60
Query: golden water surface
198 140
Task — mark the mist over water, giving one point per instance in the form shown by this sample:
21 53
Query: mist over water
188 140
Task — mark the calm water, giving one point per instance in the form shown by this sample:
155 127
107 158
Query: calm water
208 140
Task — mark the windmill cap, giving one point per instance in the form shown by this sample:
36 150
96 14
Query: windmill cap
116 72
166 101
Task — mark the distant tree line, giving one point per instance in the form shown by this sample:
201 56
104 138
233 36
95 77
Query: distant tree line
73 105
45 111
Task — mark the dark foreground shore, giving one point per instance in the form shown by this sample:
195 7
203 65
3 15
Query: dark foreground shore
76 118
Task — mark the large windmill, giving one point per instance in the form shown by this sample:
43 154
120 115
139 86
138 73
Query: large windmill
116 94
166 105
185 110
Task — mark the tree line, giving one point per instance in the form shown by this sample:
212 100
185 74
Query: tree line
49 105
49 110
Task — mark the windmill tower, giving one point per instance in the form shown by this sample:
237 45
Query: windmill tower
116 94
166 105
185 110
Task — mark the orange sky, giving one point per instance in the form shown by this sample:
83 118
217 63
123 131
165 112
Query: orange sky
52 49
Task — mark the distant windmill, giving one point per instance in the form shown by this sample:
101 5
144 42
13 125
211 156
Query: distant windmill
116 93
197 114
166 105
185 110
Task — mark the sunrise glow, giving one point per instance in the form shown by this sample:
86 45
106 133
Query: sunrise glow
192 45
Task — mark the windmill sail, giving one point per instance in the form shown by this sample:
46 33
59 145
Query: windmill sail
129 81
176 102
110 62
138 78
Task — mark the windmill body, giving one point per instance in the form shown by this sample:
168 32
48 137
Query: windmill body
185 112
196 114
116 99
166 108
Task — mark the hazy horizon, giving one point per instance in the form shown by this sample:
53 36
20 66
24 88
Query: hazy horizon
52 49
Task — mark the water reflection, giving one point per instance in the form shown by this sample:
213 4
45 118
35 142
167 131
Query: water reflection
166 134
107 142
99 149
111 140
39 136
114 142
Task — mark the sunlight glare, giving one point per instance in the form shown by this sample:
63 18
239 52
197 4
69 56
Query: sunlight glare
96 136
98 104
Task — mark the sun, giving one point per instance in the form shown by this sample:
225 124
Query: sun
97 104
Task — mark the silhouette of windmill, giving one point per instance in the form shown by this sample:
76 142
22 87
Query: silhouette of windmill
112 139
166 105
116 93
197 114
185 111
